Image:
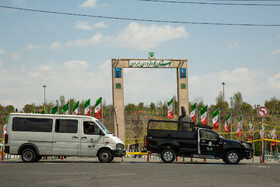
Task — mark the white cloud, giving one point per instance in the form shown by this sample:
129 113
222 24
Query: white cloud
89 4
83 25
33 47
100 24
73 79
233 45
146 37
76 64
135 35
16 55
274 52
2 51
255 86
1 63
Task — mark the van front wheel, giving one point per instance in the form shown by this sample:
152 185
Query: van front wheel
28 155
105 156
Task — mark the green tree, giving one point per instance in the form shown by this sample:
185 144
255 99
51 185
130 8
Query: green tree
246 107
273 104
152 106
9 109
236 101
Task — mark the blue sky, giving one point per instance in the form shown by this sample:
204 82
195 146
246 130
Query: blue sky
72 55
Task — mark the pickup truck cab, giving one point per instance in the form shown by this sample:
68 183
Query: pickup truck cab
182 138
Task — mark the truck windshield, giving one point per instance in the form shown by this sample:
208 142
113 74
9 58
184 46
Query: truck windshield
103 127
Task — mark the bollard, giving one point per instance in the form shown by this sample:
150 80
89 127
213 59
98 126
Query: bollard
205 160
61 157
176 158
148 157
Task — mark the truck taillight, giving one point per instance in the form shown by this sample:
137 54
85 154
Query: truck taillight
146 141
6 138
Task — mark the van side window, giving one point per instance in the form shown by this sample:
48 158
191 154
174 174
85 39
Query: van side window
66 126
32 124
91 128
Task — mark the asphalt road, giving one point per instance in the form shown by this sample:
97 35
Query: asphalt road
136 172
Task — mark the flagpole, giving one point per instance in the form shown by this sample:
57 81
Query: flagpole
101 110
242 127
230 127
219 121
173 108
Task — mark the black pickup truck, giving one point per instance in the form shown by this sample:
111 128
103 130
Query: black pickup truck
183 138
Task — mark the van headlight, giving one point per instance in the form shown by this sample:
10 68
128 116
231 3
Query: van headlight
119 146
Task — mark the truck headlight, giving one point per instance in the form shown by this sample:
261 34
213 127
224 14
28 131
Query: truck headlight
247 146
119 146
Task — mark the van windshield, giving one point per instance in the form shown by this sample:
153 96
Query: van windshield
103 127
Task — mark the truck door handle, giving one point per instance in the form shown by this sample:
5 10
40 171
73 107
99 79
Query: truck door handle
84 137
75 137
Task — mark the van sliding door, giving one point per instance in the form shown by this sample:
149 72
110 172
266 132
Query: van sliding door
66 137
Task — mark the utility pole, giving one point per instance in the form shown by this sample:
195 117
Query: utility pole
223 83
44 86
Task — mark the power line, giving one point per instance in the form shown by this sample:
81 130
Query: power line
212 3
141 20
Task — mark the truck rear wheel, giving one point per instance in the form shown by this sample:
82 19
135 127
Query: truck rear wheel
168 155
232 157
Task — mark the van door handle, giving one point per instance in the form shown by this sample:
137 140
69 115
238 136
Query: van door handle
75 137
84 137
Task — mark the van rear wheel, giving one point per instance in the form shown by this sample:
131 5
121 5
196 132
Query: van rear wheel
28 155
105 156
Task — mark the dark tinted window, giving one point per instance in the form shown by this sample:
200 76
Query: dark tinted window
208 135
32 124
66 126
91 128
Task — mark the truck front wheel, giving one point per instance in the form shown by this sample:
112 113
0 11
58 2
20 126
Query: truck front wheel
168 155
232 157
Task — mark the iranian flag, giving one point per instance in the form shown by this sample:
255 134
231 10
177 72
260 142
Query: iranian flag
227 123
43 111
87 107
54 110
239 127
76 108
193 117
215 119
204 115
97 109
251 130
273 137
170 109
65 109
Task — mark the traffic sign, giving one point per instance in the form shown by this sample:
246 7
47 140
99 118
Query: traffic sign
263 111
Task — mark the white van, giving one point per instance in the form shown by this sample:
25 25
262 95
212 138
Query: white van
35 135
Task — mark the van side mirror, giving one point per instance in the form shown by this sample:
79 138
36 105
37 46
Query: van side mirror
101 133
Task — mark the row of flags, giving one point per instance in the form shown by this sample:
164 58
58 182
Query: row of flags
239 128
65 109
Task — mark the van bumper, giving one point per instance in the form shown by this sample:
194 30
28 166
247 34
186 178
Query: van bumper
118 153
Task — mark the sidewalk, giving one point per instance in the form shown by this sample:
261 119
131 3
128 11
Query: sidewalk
255 160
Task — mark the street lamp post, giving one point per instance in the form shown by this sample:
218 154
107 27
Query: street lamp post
223 83
44 86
